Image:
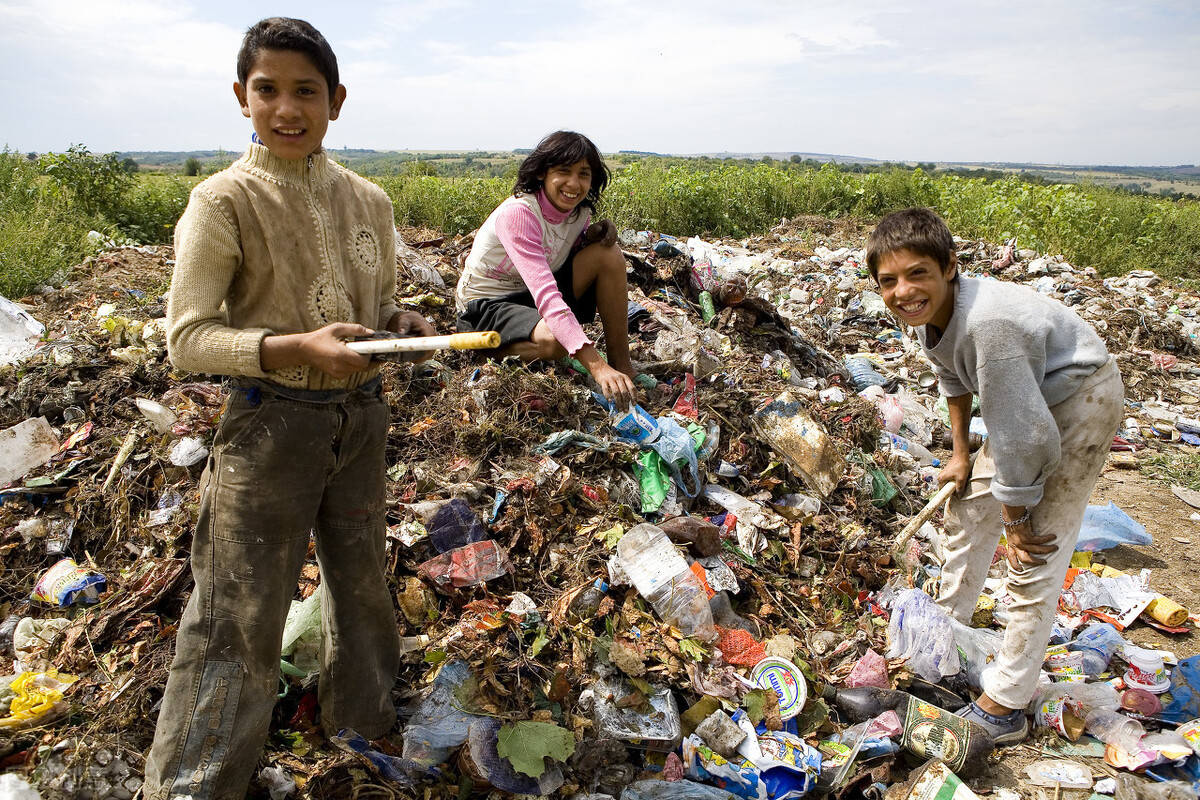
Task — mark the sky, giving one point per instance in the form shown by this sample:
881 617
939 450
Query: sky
1071 82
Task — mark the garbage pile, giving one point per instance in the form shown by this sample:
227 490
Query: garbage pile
704 595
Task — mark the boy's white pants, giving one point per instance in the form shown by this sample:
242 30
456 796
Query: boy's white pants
1086 423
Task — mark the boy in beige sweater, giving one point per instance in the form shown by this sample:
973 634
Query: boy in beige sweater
279 259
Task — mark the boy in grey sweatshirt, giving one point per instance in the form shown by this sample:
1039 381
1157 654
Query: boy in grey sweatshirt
1051 397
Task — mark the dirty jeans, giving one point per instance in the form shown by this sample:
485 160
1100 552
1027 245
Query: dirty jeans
1086 423
280 468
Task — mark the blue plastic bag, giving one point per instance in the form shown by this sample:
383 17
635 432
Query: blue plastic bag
677 450
1185 692
1108 526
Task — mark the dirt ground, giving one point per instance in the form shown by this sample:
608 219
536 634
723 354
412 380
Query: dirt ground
1172 564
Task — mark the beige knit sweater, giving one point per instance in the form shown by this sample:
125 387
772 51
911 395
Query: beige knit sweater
275 246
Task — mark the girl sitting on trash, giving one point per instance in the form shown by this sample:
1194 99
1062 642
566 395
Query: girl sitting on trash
538 271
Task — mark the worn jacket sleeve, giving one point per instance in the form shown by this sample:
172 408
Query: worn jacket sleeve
1022 434
520 233
387 277
207 257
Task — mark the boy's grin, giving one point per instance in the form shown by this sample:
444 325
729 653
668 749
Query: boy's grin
287 99
567 184
916 289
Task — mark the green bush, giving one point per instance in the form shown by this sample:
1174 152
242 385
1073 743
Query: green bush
452 205
94 184
41 236
149 210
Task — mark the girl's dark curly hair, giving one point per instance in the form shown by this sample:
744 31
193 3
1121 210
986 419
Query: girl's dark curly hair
557 149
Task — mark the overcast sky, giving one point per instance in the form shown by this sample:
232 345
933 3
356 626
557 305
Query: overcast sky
1079 81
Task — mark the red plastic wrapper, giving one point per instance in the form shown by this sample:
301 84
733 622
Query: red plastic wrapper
686 404
871 670
469 565
739 648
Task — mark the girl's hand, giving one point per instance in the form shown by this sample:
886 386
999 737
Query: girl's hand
325 349
957 469
614 385
604 232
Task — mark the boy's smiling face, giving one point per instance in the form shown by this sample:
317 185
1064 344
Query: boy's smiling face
916 289
287 99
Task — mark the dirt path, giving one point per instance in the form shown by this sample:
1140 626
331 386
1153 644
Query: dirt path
1173 563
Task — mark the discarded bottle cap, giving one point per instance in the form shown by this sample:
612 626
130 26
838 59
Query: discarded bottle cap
786 679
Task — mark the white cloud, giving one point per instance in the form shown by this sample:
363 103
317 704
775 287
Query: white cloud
1080 80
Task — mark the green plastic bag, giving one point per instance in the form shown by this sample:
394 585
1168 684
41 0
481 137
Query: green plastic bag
654 479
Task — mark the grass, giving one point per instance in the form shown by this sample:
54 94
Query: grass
1176 467
46 209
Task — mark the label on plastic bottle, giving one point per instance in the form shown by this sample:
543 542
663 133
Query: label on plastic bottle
655 565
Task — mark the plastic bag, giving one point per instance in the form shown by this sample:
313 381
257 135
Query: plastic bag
440 724
921 633
302 634
1108 526
677 450
1185 692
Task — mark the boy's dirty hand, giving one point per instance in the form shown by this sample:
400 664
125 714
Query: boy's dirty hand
325 349
1025 547
410 323
956 470
604 232
614 385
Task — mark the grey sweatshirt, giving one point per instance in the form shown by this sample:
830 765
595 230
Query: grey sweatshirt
1022 353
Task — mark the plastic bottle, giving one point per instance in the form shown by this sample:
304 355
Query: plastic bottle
863 373
929 731
587 603
1114 728
662 576
707 310
923 456
1097 642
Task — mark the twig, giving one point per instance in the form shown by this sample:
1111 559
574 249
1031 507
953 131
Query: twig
122 456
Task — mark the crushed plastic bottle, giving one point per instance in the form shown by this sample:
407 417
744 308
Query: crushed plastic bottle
661 575
1097 642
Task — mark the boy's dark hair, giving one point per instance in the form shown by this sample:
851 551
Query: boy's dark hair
285 33
557 149
920 230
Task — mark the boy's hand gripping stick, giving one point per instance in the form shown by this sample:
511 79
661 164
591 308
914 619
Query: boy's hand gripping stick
388 346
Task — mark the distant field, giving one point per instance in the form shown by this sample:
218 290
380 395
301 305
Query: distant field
45 212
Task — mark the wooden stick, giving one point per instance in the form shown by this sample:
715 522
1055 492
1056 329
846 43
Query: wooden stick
942 495
477 340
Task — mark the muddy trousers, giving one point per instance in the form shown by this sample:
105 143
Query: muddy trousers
280 469
1086 423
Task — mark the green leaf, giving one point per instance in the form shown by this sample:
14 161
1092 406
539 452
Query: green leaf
539 642
527 744
612 535
435 656
692 649
755 703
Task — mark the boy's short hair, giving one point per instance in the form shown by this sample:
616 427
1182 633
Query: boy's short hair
920 230
285 33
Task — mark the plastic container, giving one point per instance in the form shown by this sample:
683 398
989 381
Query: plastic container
661 575
863 373
1114 728
1097 642
658 730
1146 670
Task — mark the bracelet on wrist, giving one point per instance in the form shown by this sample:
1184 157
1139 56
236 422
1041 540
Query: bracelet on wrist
1016 522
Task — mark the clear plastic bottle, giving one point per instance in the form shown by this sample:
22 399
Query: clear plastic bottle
1097 642
1114 728
923 456
662 576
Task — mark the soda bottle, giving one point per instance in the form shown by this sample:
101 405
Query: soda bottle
661 575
